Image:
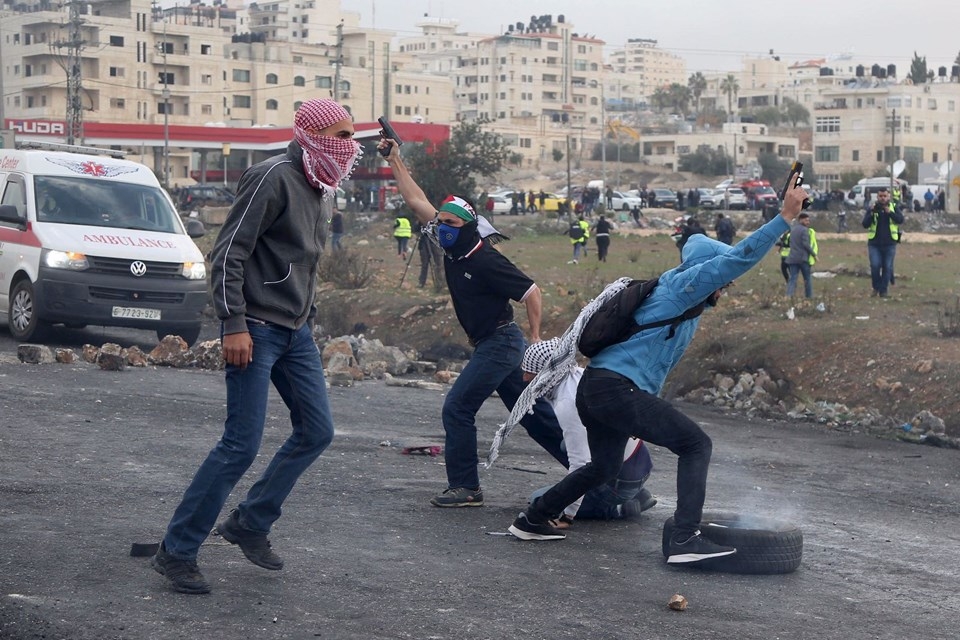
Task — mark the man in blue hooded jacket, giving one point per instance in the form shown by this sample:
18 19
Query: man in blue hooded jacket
618 395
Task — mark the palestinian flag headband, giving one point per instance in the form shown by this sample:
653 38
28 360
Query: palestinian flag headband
459 207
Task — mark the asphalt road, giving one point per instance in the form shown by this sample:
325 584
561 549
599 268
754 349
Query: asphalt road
91 461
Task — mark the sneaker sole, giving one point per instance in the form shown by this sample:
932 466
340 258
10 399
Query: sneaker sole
179 589
232 539
682 558
526 535
457 504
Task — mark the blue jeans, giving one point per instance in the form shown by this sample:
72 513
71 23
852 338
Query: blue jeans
335 241
612 409
290 359
495 366
795 269
881 266
601 502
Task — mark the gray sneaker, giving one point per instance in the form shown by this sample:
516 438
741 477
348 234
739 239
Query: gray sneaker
458 497
638 504
696 548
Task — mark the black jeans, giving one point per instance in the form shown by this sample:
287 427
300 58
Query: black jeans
612 408
603 245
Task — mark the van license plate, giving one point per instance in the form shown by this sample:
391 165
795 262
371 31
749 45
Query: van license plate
136 312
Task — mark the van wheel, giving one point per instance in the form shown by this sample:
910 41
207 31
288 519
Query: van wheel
625 207
189 334
23 320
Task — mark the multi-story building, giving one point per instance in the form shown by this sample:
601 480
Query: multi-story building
647 67
743 143
868 123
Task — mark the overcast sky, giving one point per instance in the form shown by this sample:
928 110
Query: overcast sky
715 34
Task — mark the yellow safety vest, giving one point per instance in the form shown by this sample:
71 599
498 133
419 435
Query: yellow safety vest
894 227
785 244
403 229
586 229
813 248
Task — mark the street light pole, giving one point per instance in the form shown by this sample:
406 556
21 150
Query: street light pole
946 193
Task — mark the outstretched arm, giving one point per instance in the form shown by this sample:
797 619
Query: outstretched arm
534 303
412 194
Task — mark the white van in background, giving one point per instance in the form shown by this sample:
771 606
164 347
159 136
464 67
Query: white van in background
869 187
88 239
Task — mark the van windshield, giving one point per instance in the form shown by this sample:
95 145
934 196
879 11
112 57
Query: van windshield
104 203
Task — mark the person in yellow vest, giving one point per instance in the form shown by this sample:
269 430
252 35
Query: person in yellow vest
882 222
802 255
586 233
402 232
784 244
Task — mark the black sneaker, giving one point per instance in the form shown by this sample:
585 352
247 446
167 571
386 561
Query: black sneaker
638 504
459 497
254 545
183 575
526 530
696 548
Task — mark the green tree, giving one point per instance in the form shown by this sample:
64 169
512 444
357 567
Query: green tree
660 98
918 69
557 155
795 113
769 116
775 168
705 161
849 179
679 97
454 165
698 84
730 88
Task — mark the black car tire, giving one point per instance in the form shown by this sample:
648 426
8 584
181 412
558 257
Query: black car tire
22 315
765 546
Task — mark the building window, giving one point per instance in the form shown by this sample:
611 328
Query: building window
162 107
116 41
299 81
827 154
241 102
398 110
166 78
323 82
932 104
206 79
241 75
919 127
272 105
272 78
116 72
297 105
856 155
936 127
828 124
117 103
205 49
206 109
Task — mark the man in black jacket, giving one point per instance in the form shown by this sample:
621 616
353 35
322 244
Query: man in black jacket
482 282
264 271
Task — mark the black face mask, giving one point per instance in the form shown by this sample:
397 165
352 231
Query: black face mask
466 240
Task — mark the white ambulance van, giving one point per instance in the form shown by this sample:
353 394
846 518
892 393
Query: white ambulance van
94 240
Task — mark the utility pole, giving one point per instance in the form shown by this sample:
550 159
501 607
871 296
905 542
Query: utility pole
74 46
166 113
569 188
946 187
603 137
893 145
336 73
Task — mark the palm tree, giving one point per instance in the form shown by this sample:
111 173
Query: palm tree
697 84
679 97
730 87
660 98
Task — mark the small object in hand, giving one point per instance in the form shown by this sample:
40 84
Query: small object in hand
433 450
677 602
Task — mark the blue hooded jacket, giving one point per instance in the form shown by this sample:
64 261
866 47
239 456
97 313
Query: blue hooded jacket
707 265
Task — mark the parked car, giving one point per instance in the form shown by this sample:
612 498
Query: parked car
625 202
500 204
735 198
710 198
664 199
204 195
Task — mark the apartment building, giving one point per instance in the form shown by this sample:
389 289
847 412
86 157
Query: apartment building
646 67
868 123
743 143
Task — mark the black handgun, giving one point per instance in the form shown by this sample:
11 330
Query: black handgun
387 132
796 173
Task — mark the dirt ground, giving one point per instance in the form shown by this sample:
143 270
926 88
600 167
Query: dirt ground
882 354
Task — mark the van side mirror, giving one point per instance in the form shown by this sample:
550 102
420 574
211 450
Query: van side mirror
9 213
195 228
